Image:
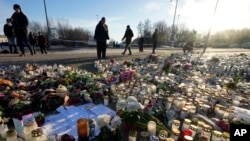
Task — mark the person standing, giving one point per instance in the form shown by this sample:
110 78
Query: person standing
140 43
32 41
10 34
20 23
155 40
42 42
128 35
101 36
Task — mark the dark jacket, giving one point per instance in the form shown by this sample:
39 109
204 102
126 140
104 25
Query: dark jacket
9 30
101 32
20 23
41 40
128 35
155 38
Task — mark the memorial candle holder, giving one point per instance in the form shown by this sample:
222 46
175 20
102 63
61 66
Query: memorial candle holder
83 129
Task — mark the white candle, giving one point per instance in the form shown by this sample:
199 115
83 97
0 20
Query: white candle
151 128
106 100
132 135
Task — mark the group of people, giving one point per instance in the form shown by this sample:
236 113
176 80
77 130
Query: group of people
101 36
16 31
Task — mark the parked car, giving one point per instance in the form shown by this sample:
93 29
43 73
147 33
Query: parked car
122 44
91 41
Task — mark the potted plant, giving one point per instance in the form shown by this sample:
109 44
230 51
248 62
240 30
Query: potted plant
105 132
131 114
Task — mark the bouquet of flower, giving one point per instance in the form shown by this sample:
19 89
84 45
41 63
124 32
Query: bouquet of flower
105 133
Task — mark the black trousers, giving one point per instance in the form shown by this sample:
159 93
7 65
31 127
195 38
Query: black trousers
21 42
101 49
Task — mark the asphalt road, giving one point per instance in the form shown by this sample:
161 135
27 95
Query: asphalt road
84 57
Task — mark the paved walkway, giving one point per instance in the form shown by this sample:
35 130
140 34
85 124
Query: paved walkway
84 57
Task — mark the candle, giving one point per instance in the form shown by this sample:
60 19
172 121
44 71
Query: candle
28 128
38 135
188 138
186 124
206 132
3 130
176 124
175 134
106 100
132 135
193 129
151 128
82 129
163 134
216 136
184 113
11 135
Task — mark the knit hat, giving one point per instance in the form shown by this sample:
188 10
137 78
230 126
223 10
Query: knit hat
16 6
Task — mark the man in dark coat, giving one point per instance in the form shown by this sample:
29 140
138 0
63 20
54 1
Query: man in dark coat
155 40
101 36
9 33
20 23
42 42
128 35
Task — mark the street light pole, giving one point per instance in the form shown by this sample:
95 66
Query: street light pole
173 30
47 21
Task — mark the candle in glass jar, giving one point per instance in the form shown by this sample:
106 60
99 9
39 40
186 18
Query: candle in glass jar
28 128
3 130
38 135
225 136
200 126
106 100
175 134
163 134
132 135
188 138
176 124
193 129
186 124
216 136
169 103
206 132
82 128
11 135
184 113
151 128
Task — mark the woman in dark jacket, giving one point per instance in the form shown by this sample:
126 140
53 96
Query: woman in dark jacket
10 34
101 36
20 23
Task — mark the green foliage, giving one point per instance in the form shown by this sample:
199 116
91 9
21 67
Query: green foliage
129 117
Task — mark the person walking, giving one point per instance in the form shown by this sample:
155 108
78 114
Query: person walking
20 23
10 34
42 42
32 41
140 43
128 35
101 36
155 40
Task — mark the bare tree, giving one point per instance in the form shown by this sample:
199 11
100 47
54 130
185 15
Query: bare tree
163 31
36 27
140 29
147 28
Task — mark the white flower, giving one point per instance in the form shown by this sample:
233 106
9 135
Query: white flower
133 106
103 120
116 122
121 104
132 99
